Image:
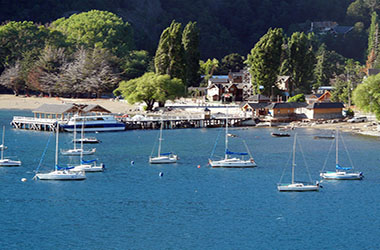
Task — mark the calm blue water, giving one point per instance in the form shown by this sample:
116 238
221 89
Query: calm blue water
131 207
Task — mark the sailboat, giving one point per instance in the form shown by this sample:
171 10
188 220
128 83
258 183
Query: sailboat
87 166
232 162
296 186
340 173
6 162
162 158
60 173
77 151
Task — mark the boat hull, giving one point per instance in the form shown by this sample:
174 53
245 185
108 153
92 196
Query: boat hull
78 152
61 176
341 176
233 163
88 168
163 159
96 127
9 163
86 141
297 187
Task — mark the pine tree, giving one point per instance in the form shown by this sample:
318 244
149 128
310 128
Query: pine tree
169 57
190 42
265 59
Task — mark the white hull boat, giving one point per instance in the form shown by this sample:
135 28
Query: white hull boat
88 168
163 159
78 152
96 123
297 186
233 163
6 162
340 173
86 140
61 175
9 163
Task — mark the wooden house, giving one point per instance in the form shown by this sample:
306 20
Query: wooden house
323 110
255 109
284 109
62 111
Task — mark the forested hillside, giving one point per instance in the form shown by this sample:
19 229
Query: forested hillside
225 26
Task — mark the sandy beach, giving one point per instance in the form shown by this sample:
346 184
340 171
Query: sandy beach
30 103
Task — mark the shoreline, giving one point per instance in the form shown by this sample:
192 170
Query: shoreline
12 102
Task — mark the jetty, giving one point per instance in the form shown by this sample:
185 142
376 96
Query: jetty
47 117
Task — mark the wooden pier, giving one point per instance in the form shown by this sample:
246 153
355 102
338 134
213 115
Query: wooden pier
46 124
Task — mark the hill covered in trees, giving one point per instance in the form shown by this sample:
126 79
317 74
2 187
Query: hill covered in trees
225 26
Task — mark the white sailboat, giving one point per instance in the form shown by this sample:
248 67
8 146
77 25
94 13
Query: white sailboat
60 174
232 162
296 186
340 173
162 158
87 166
6 162
77 151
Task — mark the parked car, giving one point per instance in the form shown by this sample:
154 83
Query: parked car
358 119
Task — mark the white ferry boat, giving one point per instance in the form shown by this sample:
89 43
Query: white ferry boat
95 123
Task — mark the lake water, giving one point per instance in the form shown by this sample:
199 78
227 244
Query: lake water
132 207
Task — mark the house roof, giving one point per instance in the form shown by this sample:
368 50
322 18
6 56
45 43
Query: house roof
259 97
342 29
256 105
56 108
283 105
94 108
325 105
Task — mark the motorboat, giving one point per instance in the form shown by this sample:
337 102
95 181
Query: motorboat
95 123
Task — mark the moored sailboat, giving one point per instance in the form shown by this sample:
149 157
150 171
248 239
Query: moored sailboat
162 158
60 173
341 173
77 151
232 162
6 162
297 186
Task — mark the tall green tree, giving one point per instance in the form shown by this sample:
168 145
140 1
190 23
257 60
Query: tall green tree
367 95
208 68
169 58
328 64
373 36
232 62
18 38
135 64
190 42
301 61
150 88
265 59
100 29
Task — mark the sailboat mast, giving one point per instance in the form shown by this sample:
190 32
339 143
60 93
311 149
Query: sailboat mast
226 142
81 143
159 140
3 146
56 146
336 147
75 133
294 157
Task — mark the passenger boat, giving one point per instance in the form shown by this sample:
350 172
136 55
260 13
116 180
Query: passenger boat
95 123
